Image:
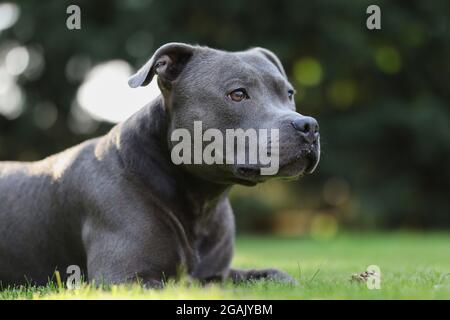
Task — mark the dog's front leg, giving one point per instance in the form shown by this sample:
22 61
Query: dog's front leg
123 257
129 269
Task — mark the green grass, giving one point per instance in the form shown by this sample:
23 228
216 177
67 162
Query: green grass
413 266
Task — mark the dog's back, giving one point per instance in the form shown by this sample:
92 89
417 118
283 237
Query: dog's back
36 230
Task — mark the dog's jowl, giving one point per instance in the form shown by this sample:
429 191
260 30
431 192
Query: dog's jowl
121 209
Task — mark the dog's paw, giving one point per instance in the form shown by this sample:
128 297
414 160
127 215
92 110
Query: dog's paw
152 284
271 274
263 274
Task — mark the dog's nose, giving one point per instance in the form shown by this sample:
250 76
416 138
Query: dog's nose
308 127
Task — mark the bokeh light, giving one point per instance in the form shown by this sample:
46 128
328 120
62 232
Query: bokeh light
105 94
16 61
80 121
9 14
324 227
11 97
36 63
45 115
388 59
77 67
336 192
342 93
308 71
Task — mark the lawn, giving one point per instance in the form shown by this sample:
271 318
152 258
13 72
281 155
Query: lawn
413 266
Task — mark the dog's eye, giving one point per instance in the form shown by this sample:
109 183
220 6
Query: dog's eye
291 94
238 95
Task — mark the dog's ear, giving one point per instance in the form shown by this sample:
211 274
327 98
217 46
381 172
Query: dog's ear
167 62
269 55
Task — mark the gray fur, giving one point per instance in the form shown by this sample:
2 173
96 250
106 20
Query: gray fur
120 209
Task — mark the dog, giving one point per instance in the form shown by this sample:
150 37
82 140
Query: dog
120 209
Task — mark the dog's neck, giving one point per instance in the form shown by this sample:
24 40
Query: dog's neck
142 143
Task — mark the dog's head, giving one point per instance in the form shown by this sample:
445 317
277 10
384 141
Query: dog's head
231 106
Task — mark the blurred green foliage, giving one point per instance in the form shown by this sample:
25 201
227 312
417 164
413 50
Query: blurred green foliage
381 97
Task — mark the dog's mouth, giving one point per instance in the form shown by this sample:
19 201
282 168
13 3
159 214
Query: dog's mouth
248 175
305 162
310 156
248 172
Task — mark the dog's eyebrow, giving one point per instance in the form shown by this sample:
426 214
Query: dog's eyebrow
243 80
